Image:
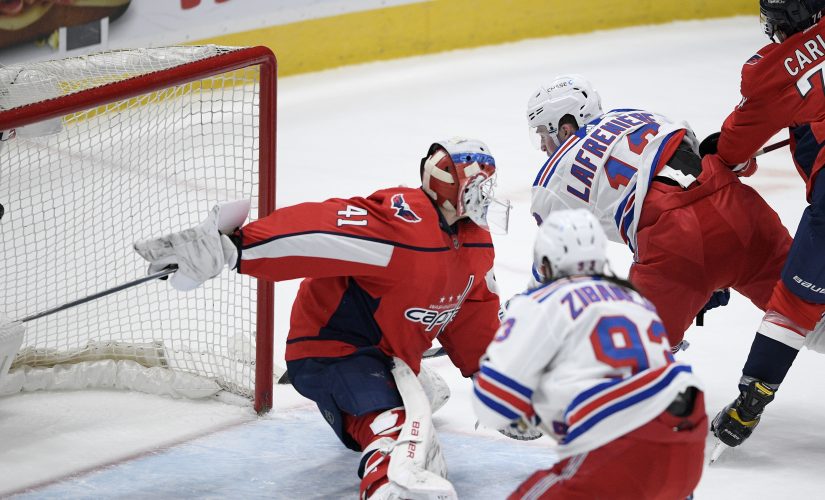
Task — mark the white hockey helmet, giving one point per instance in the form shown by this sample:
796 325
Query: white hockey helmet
573 242
566 95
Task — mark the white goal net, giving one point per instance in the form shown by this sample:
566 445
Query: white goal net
102 150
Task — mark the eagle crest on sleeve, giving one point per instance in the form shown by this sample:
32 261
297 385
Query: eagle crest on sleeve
403 210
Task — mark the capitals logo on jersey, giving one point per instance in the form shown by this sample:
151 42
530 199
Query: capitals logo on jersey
403 210
439 315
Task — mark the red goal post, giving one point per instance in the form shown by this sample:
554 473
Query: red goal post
101 150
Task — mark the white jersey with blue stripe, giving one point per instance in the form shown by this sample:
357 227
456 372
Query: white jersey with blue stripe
606 167
584 359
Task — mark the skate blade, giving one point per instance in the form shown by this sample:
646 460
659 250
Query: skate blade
718 449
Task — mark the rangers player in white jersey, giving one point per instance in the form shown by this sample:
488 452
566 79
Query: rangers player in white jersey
585 359
683 217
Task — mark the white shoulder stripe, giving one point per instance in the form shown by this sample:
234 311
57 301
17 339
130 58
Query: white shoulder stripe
325 246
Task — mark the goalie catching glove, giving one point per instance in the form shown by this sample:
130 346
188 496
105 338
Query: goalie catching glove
200 253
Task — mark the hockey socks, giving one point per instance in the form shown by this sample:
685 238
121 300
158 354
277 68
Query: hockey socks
774 350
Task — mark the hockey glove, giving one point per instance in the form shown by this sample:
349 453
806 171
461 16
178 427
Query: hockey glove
200 253
719 298
709 144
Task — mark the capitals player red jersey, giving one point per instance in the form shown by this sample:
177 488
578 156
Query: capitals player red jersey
383 271
782 86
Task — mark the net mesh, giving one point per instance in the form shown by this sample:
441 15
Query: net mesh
79 190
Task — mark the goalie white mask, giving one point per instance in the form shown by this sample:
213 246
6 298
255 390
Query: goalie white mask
573 242
566 95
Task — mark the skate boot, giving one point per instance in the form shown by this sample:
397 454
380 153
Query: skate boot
735 423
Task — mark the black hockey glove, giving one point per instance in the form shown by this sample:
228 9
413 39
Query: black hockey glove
709 145
719 298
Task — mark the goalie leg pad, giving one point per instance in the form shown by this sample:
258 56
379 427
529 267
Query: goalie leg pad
417 469
436 389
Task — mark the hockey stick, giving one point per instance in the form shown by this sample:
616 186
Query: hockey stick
230 216
700 318
771 147
434 352
158 275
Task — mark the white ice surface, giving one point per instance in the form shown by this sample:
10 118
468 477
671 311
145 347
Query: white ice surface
350 131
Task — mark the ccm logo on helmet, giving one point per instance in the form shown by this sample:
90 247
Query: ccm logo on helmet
561 84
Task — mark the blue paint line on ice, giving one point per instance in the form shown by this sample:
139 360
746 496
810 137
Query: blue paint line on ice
290 456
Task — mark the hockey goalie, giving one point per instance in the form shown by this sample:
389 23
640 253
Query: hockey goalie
386 275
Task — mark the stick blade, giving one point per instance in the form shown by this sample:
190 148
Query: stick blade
717 451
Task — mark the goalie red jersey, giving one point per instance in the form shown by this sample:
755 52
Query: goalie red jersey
382 271
782 87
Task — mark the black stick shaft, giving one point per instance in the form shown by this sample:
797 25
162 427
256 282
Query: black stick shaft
771 147
124 286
